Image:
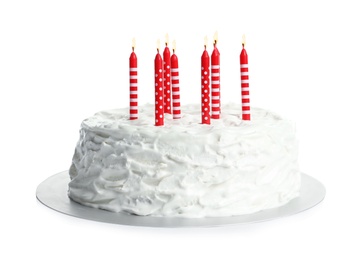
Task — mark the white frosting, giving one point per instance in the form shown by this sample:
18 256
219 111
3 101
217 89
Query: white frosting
185 168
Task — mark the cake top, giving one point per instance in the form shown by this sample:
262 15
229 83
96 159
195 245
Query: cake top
190 122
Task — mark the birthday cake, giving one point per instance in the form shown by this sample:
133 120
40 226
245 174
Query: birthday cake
185 168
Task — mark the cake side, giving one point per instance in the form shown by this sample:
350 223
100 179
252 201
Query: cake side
184 168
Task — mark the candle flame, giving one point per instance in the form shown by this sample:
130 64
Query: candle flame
158 44
205 41
133 43
243 40
215 38
174 45
167 39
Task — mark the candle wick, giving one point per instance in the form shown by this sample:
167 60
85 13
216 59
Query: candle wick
166 44
133 48
157 50
205 46
243 44
173 51
215 43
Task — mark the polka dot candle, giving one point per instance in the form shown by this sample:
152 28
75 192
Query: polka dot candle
205 87
167 78
133 84
244 73
159 109
175 85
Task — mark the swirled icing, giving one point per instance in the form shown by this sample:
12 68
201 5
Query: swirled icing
184 168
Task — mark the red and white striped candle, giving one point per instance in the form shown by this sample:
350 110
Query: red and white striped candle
166 77
205 87
133 84
159 108
175 85
244 73
215 80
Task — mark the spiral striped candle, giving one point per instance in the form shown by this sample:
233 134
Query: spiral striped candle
159 109
133 84
245 93
175 85
215 81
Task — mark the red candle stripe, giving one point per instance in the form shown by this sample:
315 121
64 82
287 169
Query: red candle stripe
215 82
167 79
245 93
133 86
175 86
159 108
205 88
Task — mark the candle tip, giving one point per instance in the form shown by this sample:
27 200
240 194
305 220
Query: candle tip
215 38
243 42
166 39
133 44
158 45
174 45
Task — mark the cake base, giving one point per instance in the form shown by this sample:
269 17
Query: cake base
53 193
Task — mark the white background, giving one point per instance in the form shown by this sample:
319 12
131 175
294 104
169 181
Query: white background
62 61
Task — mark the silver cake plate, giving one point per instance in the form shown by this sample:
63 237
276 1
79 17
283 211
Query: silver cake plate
53 193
